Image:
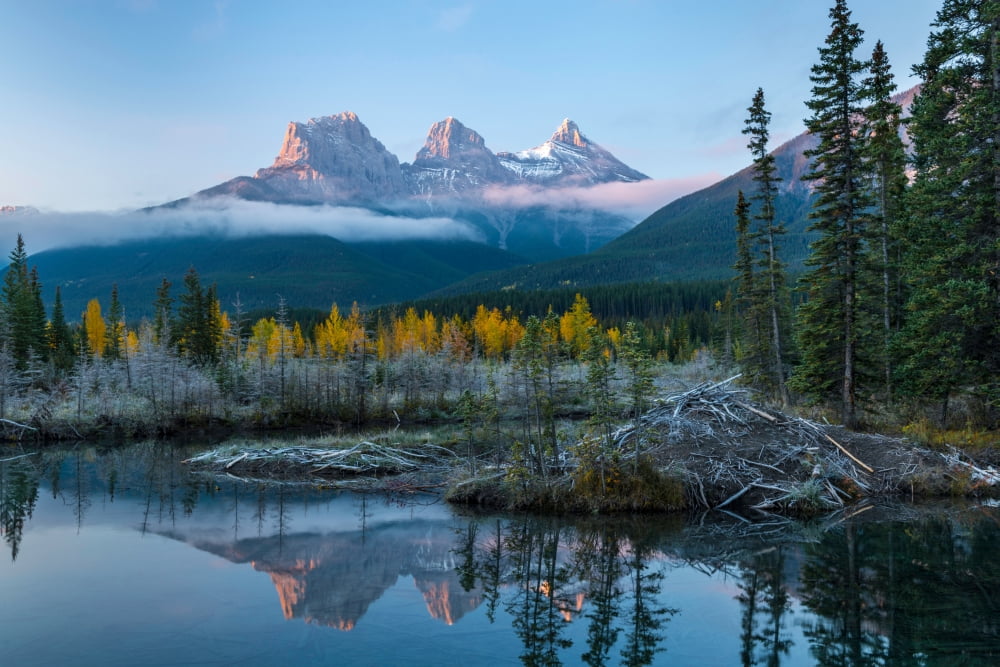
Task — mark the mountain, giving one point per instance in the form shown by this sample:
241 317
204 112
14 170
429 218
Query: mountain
325 160
335 160
454 162
309 271
568 158
691 238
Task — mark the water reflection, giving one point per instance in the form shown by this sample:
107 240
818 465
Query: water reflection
531 590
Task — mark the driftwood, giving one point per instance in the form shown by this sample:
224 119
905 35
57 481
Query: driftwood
989 476
735 452
364 458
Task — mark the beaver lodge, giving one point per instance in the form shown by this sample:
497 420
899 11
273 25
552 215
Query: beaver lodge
709 447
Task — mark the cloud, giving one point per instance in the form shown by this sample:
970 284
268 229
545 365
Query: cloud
223 216
632 200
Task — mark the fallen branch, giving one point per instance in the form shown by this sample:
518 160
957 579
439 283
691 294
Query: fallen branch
733 497
867 468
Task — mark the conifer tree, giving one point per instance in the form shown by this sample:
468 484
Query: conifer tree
829 322
23 314
39 322
753 340
772 293
951 339
60 338
197 332
886 159
114 333
162 313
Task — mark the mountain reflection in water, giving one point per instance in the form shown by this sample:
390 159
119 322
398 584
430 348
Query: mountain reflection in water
495 589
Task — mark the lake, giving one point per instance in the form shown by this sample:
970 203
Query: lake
119 556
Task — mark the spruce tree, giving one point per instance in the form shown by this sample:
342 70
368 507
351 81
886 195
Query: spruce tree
114 333
60 338
753 354
162 313
772 293
23 320
951 339
197 330
829 322
886 158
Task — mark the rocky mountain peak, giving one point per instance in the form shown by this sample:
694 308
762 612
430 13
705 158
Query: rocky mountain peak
334 159
453 161
448 138
569 133
303 140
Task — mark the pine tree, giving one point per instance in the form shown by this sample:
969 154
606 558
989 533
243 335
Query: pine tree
772 293
754 341
23 314
951 339
61 346
163 313
886 159
114 333
39 322
639 381
829 323
197 332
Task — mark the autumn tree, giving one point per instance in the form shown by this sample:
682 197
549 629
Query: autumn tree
94 328
575 326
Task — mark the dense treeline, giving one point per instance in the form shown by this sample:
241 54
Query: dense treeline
658 307
194 361
901 294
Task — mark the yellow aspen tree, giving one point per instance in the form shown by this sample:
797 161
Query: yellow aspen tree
332 335
574 325
94 325
513 332
490 331
131 343
614 335
260 336
299 345
454 339
383 342
430 339
357 337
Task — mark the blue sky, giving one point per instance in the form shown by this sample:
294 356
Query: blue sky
117 104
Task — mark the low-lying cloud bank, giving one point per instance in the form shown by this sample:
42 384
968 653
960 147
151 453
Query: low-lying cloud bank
239 218
224 216
631 200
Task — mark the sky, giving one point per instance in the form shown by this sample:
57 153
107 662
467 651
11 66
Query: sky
111 105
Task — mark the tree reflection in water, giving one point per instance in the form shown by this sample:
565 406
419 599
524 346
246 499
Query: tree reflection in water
592 591
548 574
915 593
18 493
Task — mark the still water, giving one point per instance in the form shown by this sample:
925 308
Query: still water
118 556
